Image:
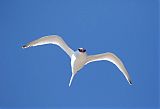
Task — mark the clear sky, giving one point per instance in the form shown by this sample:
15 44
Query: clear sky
39 76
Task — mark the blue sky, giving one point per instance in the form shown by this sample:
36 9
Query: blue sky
38 77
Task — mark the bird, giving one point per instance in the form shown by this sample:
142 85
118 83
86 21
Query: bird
79 58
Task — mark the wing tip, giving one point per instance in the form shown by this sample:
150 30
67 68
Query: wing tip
25 46
130 82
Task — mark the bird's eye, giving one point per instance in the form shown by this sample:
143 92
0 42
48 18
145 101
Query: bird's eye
79 49
84 50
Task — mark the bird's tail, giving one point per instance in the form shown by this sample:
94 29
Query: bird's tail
71 80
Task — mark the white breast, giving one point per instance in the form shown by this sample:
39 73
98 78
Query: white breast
78 60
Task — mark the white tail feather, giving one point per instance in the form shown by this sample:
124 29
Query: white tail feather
71 80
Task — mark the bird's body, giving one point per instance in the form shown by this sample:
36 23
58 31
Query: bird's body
79 58
78 61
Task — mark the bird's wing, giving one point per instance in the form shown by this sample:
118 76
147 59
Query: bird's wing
112 58
53 39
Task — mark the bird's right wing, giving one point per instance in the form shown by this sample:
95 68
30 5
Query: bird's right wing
53 39
112 58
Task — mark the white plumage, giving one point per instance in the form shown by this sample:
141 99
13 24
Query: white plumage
80 58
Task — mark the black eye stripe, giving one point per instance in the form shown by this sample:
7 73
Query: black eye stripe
82 50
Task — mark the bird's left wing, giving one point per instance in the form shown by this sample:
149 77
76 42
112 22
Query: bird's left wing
112 58
53 39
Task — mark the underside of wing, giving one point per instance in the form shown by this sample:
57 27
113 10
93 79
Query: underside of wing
112 58
53 39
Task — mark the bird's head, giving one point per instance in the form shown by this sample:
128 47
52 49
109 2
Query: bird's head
82 50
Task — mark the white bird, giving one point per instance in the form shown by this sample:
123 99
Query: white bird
80 58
